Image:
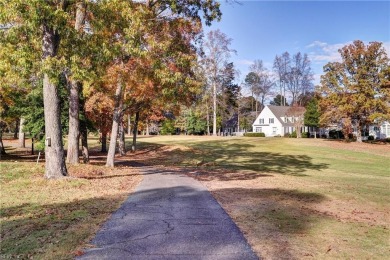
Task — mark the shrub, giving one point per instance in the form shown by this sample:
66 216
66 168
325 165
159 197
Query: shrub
254 134
168 127
306 135
293 134
387 140
371 138
333 134
287 135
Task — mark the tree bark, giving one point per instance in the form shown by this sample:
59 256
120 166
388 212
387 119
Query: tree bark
147 127
2 149
22 143
84 145
135 132
214 109
128 124
359 132
115 124
74 122
122 144
84 132
54 151
208 118
16 131
104 142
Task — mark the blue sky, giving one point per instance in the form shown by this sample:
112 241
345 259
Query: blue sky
263 29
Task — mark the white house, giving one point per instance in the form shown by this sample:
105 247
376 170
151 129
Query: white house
379 131
274 121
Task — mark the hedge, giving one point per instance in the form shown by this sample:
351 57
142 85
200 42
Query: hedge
254 134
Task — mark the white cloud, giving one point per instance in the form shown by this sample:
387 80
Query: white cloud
245 62
317 79
320 53
323 52
316 44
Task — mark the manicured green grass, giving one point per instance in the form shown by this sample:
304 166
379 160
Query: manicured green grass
324 199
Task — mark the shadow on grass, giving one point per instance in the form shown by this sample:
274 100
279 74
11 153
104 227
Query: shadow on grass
152 209
224 155
46 231
273 216
31 229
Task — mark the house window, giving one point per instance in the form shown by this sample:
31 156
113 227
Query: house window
271 120
261 121
259 130
274 130
286 119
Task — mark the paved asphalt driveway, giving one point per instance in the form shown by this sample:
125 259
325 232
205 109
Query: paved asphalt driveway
169 216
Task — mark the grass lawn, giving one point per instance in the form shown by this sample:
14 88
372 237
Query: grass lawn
55 219
292 198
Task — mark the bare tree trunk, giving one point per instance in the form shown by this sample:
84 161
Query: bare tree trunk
16 131
115 124
84 145
22 142
214 109
256 107
54 150
147 127
84 132
122 144
135 132
104 142
238 119
128 124
74 122
2 149
359 132
208 118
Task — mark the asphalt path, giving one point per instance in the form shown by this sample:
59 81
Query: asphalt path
169 216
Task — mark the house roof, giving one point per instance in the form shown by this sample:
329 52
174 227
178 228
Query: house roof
279 112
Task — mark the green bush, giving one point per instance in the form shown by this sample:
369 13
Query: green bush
254 134
371 138
305 135
333 134
387 140
293 134
168 127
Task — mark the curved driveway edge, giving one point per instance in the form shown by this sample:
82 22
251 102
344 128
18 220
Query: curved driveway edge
169 216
